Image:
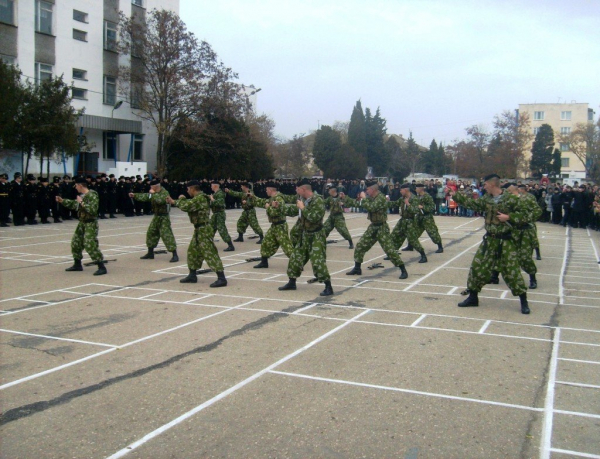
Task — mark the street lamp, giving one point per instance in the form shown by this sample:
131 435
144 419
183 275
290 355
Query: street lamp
116 107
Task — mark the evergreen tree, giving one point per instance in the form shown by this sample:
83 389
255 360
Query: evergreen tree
347 164
399 163
541 151
413 152
377 156
556 163
327 143
357 137
429 158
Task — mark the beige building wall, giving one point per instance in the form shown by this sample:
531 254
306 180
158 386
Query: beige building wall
563 118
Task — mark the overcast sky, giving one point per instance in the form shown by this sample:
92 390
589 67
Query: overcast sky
433 67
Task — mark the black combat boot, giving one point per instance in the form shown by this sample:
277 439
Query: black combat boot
264 263
328 290
423 257
221 281
101 269
102 217
56 220
261 236
524 304
191 278
532 282
440 249
403 272
356 271
408 248
149 255
538 256
291 285
230 247
495 277
76 266
45 221
113 216
471 300
174 258
351 245
240 238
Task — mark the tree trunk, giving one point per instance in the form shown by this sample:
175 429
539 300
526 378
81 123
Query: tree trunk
27 164
48 168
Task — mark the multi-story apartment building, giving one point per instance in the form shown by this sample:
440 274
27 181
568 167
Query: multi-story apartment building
563 118
77 39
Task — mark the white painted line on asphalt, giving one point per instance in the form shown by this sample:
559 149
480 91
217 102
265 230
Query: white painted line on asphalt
360 283
229 391
305 308
594 248
56 338
421 279
578 413
580 361
504 294
546 441
575 453
561 280
416 322
570 383
407 391
200 297
484 327
451 291
152 294
52 370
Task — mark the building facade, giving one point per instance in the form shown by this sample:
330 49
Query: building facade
78 39
563 118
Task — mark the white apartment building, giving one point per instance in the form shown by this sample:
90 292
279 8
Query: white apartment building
563 118
77 39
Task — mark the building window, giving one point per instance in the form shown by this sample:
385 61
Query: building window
80 16
79 93
79 74
138 144
110 145
10 60
110 36
590 114
565 116
135 96
565 130
538 116
42 72
79 35
138 2
43 17
564 146
7 11
564 162
110 90
536 130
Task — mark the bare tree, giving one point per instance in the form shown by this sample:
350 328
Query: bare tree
173 77
584 143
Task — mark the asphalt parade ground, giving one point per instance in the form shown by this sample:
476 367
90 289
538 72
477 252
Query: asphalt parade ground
135 364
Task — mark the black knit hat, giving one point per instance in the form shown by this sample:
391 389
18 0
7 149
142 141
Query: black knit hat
490 177
272 184
81 180
405 185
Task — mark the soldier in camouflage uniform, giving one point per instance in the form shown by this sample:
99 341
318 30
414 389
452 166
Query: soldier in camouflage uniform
277 235
498 250
292 211
86 234
407 227
201 246
336 216
537 213
378 231
248 216
425 221
217 221
160 226
313 243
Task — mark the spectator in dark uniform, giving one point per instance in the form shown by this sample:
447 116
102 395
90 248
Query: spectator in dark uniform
17 199
31 193
43 199
55 206
4 200
111 191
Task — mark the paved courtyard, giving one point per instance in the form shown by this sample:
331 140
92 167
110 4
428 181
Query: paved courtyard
134 364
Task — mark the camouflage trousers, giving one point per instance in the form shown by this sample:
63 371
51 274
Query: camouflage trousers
160 228
313 247
339 223
535 243
86 237
379 232
406 229
203 248
525 240
217 221
427 223
499 255
277 236
295 233
248 218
